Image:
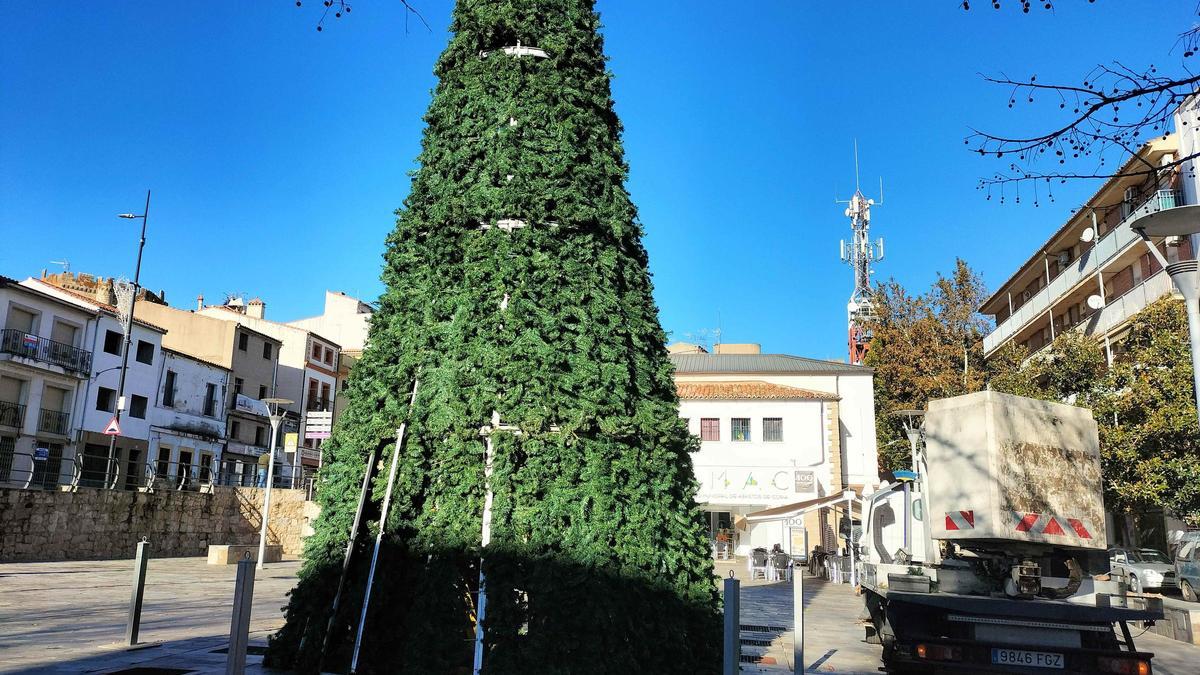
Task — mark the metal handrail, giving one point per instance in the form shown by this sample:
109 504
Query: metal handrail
12 414
111 468
102 472
318 404
10 468
20 343
54 421
178 477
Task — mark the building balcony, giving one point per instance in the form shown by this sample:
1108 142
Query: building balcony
1118 310
54 422
1106 249
318 404
12 415
26 345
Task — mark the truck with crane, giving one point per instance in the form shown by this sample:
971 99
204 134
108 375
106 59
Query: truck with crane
994 558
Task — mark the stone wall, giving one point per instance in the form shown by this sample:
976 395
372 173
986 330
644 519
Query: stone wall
92 524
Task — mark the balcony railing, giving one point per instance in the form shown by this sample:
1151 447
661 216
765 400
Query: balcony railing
20 343
1095 258
54 422
12 415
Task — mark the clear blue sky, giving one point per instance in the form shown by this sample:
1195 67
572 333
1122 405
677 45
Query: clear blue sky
278 154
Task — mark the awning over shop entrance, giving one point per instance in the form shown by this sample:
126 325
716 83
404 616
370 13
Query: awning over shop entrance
788 511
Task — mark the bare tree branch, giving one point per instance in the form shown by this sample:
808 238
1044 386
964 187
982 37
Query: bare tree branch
340 7
1113 112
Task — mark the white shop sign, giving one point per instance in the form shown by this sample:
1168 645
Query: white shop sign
753 484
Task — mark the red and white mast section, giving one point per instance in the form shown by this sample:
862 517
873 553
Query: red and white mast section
860 253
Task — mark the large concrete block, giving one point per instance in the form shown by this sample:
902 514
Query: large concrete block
229 554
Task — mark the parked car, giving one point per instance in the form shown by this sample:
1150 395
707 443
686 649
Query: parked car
1187 565
1142 568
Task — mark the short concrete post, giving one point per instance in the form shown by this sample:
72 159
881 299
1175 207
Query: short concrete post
798 620
239 629
135 599
733 626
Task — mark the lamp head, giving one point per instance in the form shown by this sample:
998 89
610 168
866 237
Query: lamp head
127 215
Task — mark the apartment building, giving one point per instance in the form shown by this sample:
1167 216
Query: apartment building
122 465
252 361
775 430
1095 272
308 374
346 320
45 363
187 423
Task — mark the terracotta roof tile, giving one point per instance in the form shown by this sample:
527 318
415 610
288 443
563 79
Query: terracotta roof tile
751 390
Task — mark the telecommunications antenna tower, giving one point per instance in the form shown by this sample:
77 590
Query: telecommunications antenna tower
859 253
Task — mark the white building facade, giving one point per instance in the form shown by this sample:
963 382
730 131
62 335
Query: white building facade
776 429
45 363
97 405
187 423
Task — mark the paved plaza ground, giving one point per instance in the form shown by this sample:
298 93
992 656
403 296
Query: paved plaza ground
66 617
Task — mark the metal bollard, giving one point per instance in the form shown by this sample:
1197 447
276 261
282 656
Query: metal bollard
239 629
798 619
135 599
733 626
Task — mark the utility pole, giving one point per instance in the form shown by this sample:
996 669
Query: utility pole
137 274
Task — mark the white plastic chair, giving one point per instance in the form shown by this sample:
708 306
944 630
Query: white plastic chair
758 563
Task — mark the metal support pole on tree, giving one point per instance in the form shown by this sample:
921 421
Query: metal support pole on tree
337 597
486 538
135 600
383 516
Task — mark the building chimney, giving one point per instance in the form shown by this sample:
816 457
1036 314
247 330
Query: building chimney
199 302
256 308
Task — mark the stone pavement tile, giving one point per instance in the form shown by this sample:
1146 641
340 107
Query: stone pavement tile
58 617
833 632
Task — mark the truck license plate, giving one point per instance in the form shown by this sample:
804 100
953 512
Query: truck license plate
1021 657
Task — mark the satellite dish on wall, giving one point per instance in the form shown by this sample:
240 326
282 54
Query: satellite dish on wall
1087 235
852 306
1095 302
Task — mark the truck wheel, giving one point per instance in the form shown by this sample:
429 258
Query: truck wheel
1134 584
1189 593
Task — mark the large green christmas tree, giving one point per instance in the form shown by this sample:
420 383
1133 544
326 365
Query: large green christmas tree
517 292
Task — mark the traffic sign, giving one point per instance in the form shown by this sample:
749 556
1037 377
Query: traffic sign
113 428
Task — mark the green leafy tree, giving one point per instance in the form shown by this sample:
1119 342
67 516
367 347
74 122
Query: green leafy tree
925 346
516 289
1149 437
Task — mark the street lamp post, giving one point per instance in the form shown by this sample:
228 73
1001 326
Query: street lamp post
912 428
137 274
276 416
1180 221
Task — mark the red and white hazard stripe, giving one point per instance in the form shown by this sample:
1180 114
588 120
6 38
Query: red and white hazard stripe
1045 523
960 520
